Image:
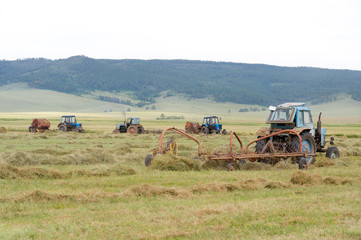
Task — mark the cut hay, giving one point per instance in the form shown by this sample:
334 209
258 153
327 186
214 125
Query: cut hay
121 170
305 178
324 162
2 130
276 185
147 190
41 196
255 166
170 162
337 181
11 172
250 184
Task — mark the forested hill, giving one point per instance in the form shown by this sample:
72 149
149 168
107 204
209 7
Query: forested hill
223 81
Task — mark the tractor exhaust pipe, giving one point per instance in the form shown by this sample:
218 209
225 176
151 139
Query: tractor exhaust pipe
319 124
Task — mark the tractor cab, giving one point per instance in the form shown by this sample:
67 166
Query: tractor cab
68 119
132 121
291 115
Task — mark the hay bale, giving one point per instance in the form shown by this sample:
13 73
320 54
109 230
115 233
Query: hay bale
2 130
305 178
171 162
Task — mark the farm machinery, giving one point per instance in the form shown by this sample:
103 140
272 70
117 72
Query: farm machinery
210 125
291 136
69 123
39 125
131 125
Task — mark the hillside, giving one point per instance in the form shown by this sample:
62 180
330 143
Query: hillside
221 81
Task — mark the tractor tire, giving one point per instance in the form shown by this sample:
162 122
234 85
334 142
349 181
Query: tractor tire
302 164
132 130
231 167
308 143
32 129
333 153
81 130
224 132
141 130
205 130
148 160
63 128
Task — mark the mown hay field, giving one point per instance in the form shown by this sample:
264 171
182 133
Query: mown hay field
95 186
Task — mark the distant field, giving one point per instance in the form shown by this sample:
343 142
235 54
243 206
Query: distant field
20 100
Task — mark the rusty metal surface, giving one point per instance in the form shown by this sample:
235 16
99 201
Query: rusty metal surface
161 149
192 127
273 153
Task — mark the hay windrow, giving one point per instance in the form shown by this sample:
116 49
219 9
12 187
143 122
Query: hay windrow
146 190
276 185
170 162
11 172
118 170
305 178
250 184
2 130
324 162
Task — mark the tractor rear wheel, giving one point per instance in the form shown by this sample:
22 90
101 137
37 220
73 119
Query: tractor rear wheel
308 144
141 130
63 128
205 130
333 153
132 130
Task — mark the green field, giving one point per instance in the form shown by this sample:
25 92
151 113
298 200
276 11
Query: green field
95 185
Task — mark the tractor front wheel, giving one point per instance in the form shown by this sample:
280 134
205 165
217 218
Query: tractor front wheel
308 145
333 153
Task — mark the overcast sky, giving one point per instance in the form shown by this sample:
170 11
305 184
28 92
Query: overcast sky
317 33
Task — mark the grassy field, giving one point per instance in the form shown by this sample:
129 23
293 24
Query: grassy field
95 186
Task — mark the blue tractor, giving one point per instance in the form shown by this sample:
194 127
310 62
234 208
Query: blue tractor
131 125
68 123
211 125
296 117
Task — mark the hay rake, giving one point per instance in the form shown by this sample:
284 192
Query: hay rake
271 152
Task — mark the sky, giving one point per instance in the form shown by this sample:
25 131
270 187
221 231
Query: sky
313 33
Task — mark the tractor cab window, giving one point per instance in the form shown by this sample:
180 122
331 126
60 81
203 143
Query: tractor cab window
282 114
307 117
72 119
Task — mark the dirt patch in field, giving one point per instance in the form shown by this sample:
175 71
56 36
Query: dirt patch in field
11 172
305 178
